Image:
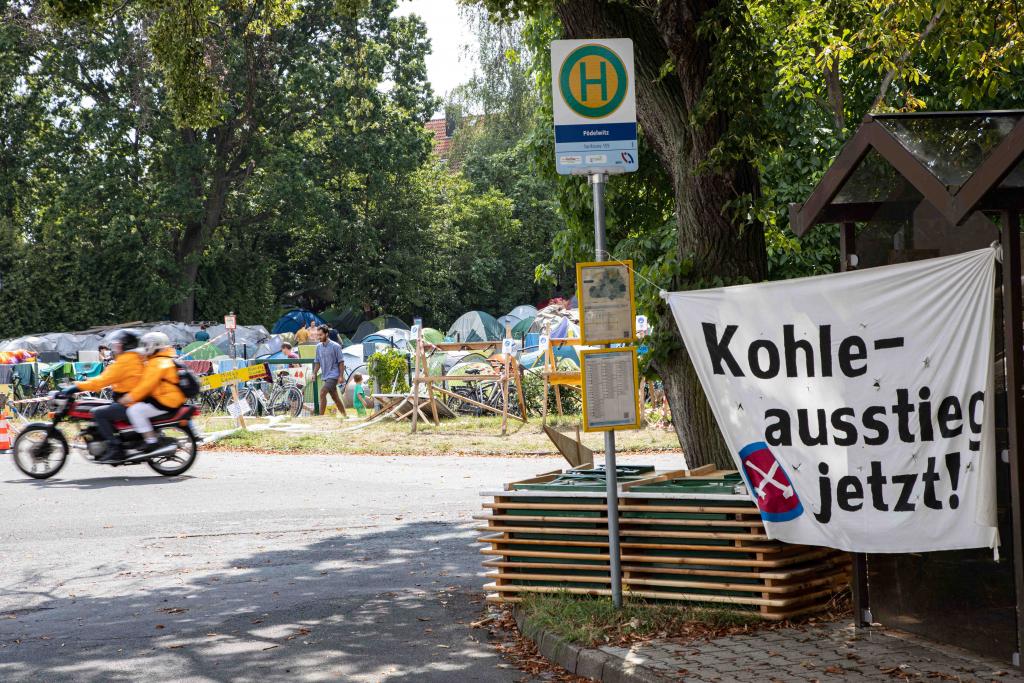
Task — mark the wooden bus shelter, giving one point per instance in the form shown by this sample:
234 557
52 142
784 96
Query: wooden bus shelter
914 186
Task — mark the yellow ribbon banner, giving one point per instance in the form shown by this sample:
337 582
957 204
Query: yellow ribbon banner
245 374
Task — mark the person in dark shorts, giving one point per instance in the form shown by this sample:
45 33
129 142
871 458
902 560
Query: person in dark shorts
331 361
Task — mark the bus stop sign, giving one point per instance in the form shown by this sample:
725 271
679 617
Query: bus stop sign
594 105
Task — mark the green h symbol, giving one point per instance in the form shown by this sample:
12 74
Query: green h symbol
601 80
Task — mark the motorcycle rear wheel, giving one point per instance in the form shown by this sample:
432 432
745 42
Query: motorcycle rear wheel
181 460
38 453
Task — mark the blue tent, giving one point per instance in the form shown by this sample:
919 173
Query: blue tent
294 319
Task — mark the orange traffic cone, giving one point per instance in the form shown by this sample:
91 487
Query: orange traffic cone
5 435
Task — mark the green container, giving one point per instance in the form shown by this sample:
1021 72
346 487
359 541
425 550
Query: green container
588 480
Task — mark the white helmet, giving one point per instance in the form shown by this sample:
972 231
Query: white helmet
152 342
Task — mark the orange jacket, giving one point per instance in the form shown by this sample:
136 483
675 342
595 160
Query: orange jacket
122 375
159 381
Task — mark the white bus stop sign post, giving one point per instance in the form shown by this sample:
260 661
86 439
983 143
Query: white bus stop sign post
594 98
594 105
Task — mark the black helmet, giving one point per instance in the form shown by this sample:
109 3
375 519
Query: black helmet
128 339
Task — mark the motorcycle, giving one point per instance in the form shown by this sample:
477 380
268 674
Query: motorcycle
41 449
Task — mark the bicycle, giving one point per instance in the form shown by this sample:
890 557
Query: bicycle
285 397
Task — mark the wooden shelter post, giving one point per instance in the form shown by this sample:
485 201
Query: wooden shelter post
859 580
1014 399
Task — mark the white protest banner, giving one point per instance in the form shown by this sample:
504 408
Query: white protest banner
858 406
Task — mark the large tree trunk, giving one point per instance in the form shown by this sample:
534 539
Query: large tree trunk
683 138
188 248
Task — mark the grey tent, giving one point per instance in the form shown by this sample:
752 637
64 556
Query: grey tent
476 326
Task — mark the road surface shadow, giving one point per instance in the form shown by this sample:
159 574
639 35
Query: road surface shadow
388 605
101 482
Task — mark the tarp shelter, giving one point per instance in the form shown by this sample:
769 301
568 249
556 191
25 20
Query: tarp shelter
476 326
294 319
552 316
69 344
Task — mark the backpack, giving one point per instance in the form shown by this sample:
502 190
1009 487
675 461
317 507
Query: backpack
187 381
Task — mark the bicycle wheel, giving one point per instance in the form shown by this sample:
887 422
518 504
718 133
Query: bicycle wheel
296 401
282 401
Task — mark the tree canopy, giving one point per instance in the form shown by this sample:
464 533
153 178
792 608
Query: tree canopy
742 104
311 181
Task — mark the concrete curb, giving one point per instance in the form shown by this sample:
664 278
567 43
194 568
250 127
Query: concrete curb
586 661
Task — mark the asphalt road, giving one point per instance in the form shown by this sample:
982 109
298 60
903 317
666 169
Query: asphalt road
249 568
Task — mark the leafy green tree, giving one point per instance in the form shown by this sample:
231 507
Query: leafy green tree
496 116
148 216
742 104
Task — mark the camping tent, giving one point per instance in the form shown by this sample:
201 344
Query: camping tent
294 319
476 326
346 320
517 315
386 322
433 336
200 350
383 322
521 328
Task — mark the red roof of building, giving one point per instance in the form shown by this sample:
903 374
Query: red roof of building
442 141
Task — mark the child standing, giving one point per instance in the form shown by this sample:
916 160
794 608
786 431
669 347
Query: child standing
359 395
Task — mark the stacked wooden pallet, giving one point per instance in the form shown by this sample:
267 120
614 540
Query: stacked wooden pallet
694 537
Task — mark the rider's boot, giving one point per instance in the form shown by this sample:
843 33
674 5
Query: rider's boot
114 452
161 442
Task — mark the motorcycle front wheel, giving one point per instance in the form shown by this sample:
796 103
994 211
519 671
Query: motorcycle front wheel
178 462
39 452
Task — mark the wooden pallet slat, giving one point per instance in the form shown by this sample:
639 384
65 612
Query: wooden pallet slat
678 547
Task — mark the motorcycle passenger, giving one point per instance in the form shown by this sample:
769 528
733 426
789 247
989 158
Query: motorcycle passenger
157 392
122 375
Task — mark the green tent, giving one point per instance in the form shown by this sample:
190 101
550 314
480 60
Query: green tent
433 336
476 326
200 350
521 328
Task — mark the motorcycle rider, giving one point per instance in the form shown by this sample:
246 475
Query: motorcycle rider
122 375
157 391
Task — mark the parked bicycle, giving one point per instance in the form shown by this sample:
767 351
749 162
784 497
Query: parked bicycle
280 397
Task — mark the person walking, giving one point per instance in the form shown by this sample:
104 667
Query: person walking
331 362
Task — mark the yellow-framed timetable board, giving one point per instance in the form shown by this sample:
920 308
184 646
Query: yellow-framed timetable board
610 378
604 290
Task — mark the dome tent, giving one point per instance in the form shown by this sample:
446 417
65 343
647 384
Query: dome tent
521 328
476 326
517 315
433 336
383 322
345 320
294 319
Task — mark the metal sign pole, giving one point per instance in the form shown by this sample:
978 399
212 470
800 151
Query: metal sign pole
598 181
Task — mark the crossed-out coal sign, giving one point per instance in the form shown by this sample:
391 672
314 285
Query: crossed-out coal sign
858 405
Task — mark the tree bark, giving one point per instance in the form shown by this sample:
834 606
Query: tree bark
683 138
196 233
